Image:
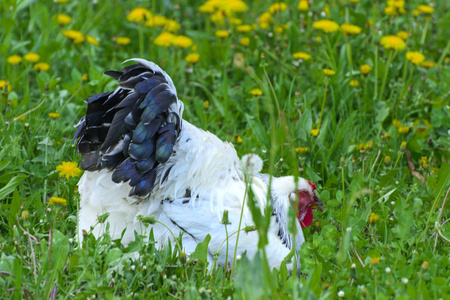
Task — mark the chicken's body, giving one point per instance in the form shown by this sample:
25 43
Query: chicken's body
202 177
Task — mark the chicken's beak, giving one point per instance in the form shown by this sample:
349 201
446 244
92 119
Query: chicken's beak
318 205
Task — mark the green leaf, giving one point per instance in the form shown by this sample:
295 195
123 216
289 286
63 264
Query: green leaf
201 251
11 185
14 209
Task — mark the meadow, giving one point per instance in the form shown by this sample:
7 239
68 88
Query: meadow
352 95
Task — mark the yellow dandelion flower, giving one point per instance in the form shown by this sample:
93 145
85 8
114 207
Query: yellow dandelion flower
239 140
63 19
265 19
390 11
393 42
76 36
172 25
233 6
403 145
256 92
326 26
159 20
84 77
54 115
416 13
164 39
42 66
32 57
350 29
387 160
14 59
374 260
403 129
329 72
426 9
301 150
206 104
277 7
354 83
218 17
244 28
244 41
415 57
428 64
424 162
373 218
235 21
4 84
92 40
386 136
192 58
68 169
139 14
123 40
403 35
354 1
301 55
396 123
182 41
303 5
206 8
57 201
278 29
61 1
222 33
314 132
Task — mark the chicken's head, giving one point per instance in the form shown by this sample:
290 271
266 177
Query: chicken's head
307 201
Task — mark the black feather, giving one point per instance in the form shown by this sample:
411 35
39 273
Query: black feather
145 165
144 187
159 104
165 142
113 74
125 171
141 151
145 86
145 131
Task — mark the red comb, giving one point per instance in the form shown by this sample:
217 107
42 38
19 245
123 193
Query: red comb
313 185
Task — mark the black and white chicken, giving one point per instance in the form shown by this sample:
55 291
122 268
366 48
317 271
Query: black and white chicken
142 158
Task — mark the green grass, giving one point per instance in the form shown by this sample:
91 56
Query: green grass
356 159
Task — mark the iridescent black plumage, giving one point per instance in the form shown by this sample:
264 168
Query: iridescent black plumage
133 129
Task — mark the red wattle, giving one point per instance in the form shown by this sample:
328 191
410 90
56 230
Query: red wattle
307 220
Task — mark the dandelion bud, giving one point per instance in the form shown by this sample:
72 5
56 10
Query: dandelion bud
425 265
183 257
225 219
148 220
25 214
102 218
248 229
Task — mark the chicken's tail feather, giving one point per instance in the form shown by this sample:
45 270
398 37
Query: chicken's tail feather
133 129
